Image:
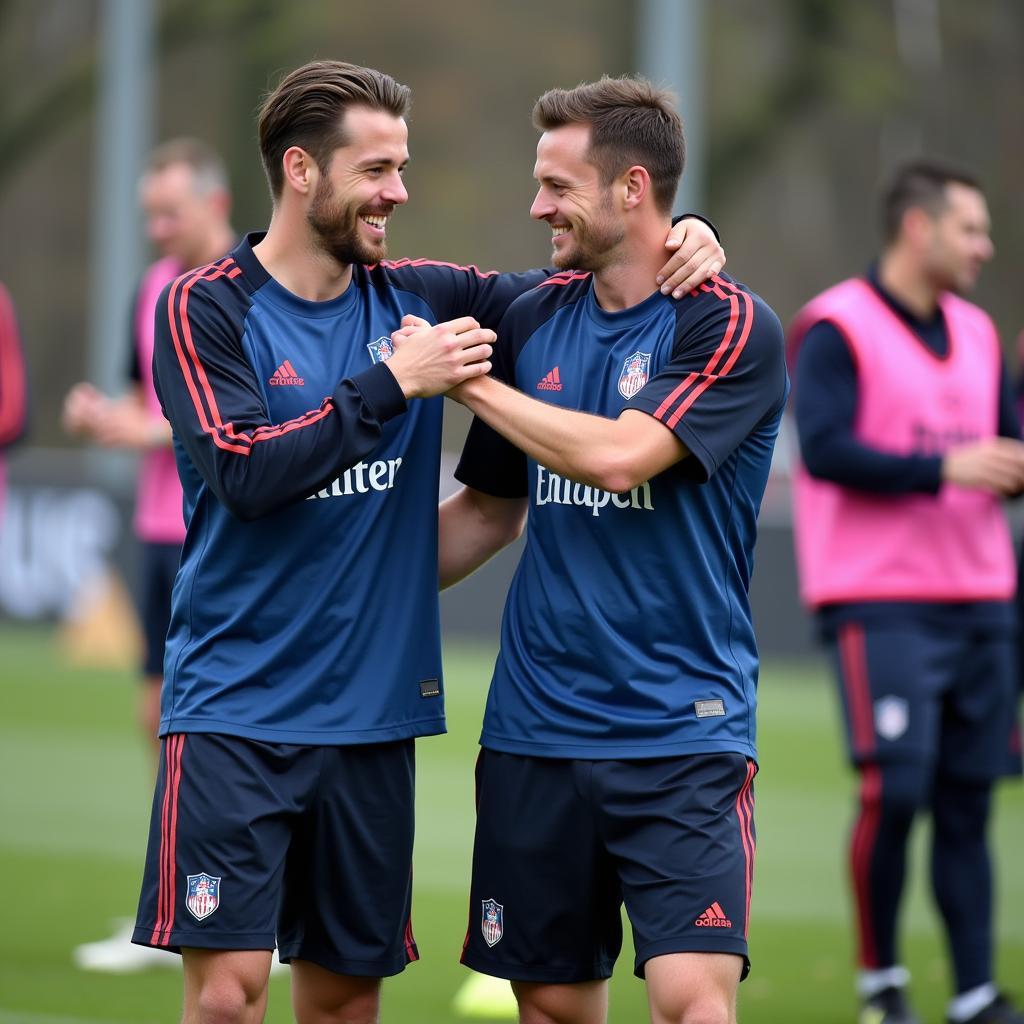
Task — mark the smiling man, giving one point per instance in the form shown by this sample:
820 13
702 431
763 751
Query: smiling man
303 656
618 741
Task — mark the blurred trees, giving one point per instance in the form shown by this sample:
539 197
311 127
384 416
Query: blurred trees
810 103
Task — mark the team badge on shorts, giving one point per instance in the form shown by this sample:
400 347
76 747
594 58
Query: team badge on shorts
634 374
891 717
381 350
492 922
203 895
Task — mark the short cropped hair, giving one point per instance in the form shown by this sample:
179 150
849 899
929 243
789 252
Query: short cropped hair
631 122
922 184
207 166
307 109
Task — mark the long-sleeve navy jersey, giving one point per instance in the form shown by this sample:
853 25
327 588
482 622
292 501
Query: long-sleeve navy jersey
627 631
305 609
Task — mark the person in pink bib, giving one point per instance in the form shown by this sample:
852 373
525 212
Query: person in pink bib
186 202
909 444
13 397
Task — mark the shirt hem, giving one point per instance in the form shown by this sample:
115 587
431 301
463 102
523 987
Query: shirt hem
821 601
616 751
300 737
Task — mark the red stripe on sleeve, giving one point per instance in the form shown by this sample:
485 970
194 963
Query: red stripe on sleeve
223 434
715 358
181 287
748 322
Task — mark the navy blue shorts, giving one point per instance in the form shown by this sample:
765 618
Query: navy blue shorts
562 844
311 847
916 692
158 569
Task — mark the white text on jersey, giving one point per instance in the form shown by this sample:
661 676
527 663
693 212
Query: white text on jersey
362 478
561 491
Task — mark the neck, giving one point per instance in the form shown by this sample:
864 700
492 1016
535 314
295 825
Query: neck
629 278
289 255
900 275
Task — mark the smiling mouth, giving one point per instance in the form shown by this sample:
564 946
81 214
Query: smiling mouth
378 221
557 230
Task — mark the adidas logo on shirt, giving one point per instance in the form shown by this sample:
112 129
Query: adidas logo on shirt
285 374
713 917
550 382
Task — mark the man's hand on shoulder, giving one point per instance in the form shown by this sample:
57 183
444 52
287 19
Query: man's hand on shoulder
696 256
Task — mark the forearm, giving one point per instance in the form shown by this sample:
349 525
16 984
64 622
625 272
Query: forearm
573 444
843 460
256 468
469 532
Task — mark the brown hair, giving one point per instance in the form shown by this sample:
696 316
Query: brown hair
208 171
921 183
308 108
631 122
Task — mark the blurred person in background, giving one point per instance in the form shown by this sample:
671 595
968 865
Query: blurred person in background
618 754
910 441
13 400
186 203
303 655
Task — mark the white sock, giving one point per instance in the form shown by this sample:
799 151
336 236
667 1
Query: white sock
971 1002
870 983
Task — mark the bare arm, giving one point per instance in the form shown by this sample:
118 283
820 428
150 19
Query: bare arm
615 455
473 526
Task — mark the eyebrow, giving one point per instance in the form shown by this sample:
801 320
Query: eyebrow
387 161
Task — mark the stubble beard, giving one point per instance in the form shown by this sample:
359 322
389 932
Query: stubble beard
336 229
593 245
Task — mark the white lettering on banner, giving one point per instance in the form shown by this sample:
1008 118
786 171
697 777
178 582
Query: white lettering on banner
362 478
557 490
52 542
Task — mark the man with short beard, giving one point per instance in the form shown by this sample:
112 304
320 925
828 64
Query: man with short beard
303 656
618 743
909 441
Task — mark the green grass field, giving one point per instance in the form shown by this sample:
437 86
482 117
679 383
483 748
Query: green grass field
74 800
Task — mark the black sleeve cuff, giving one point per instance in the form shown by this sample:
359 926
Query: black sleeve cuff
700 217
381 392
926 473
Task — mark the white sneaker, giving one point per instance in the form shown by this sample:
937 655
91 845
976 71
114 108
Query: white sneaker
119 955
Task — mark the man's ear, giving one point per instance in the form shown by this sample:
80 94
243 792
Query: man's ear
917 223
635 184
300 170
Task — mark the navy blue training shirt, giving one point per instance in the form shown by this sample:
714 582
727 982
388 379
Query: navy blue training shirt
305 610
627 630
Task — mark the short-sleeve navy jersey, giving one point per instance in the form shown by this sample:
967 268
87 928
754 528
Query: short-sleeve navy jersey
627 630
305 610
